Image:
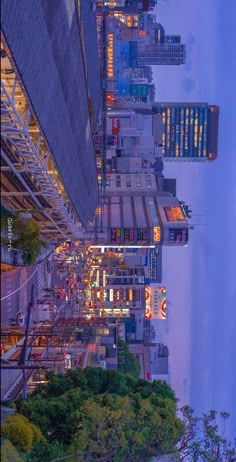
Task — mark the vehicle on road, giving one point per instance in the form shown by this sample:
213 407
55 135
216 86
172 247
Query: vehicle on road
20 320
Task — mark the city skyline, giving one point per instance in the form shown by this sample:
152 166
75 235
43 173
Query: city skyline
204 313
122 260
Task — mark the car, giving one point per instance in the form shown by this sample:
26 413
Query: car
48 266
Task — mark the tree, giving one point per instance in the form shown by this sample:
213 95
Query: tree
127 362
28 239
105 414
203 439
21 432
44 451
115 427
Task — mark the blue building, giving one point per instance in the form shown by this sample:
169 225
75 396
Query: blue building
190 131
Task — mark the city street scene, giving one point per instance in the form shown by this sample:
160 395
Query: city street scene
99 237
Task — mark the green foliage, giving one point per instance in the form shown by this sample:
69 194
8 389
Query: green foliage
17 418
112 426
9 453
37 434
19 433
127 362
112 416
45 452
28 232
10 404
105 413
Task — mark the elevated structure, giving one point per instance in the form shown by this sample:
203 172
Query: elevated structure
49 163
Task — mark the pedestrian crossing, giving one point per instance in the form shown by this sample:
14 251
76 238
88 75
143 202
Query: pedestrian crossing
41 278
9 290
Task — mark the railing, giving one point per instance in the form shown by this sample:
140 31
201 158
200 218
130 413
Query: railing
27 144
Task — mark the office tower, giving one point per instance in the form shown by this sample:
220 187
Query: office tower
157 48
162 54
190 131
131 6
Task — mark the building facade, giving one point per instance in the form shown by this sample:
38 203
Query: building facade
190 130
131 215
162 54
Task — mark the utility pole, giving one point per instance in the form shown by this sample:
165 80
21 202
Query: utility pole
22 359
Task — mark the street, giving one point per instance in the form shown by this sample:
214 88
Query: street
55 297
15 289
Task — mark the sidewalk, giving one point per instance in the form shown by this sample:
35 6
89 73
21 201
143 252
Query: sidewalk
14 257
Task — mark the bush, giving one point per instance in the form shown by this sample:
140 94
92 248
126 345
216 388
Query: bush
17 418
9 453
11 404
45 452
18 433
37 435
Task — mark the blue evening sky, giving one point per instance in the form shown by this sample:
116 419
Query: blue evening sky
201 279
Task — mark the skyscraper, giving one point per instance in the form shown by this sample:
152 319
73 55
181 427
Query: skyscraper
162 54
131 6
190 131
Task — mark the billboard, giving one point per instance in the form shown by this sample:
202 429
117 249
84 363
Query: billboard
174 213
178 235
156 233
115 127
155 299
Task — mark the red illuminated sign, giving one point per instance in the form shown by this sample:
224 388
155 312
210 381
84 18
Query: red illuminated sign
174 213
115 127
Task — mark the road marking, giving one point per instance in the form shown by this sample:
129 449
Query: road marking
19 288
40 278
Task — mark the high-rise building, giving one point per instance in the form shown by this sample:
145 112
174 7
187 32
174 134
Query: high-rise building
178 131
131 6
162 54
190 131
136 214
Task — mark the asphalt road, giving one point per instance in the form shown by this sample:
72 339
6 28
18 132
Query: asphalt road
16 288
24 278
